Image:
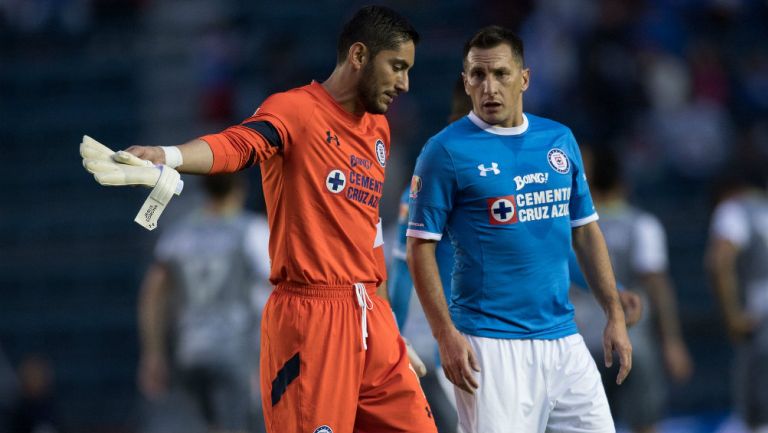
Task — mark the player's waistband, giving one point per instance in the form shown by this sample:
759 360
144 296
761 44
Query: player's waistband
323 291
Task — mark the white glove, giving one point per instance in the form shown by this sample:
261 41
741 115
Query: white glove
122 168
416 363
116 169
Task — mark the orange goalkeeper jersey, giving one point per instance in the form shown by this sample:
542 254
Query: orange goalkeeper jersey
323 177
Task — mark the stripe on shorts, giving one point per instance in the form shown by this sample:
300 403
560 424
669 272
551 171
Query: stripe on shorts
284 378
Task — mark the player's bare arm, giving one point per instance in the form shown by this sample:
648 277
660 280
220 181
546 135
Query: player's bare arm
456 354
589 245
721 263
196 156
675 353
153 309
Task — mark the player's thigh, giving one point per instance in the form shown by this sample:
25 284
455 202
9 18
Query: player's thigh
580 404
311 363
391 398
511 395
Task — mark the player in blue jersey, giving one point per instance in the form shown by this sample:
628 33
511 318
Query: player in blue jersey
509 189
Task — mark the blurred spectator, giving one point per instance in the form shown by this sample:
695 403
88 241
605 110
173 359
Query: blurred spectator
610 72
708 74
736 259
637 245
552 53
754 80
691 131
36 16
198 313
219 56
35 412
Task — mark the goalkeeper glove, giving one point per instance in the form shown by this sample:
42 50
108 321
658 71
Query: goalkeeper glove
122 168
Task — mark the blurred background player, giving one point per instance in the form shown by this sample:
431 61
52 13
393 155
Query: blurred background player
638 249
199 313
737 261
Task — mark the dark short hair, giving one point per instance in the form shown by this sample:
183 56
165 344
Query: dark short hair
379 28
219 186
493 36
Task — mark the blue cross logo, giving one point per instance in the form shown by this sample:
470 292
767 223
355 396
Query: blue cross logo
502 210
335 181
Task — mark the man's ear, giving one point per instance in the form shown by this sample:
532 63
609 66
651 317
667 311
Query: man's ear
358 55
526 77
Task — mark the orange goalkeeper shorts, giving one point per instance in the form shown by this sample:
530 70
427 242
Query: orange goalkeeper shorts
320 374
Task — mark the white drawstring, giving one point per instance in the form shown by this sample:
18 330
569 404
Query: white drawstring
365 303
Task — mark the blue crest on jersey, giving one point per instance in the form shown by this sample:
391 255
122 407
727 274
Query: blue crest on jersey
323 429
558 161
381 153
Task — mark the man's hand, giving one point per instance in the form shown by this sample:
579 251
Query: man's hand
458 360
153 376
416 362
632 306
615 338
677 360
740 326
154 154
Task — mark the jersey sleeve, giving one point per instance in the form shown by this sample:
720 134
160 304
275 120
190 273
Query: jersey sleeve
433 189
259 137
730 222
650 246
581 207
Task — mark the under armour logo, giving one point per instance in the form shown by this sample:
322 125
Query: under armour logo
484 171
330 137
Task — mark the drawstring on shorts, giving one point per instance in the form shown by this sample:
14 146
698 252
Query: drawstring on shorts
365 303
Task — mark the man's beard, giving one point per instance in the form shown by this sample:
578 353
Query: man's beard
366 88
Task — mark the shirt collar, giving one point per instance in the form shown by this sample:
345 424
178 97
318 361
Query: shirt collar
498 130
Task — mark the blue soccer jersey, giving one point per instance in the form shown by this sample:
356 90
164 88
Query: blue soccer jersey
508 198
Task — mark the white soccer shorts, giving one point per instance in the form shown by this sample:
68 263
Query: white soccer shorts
534 386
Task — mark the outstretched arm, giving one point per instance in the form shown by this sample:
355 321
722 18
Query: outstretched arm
589 245
196 155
